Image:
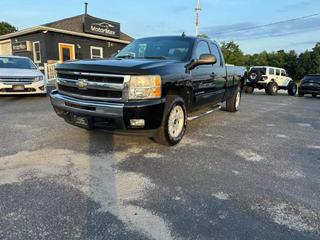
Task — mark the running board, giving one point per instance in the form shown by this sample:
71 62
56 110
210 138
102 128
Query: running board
211 110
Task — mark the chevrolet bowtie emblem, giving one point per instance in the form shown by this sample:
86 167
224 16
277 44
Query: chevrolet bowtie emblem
82 84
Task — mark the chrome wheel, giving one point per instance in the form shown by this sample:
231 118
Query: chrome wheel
176 121
238 100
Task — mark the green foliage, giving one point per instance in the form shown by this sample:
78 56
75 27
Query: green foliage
203 36
232 53
297 65
6 28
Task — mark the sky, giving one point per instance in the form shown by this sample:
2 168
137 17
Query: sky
221 20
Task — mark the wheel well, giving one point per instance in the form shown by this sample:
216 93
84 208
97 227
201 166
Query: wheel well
184 93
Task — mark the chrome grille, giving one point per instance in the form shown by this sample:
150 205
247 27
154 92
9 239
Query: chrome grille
95 86
16 81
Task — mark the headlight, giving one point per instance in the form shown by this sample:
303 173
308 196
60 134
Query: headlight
144 87
38 78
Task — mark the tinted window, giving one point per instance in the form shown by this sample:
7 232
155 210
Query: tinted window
283 73
202 48
21 63
278 72
262 70
216 53
315 78
271 71
173 48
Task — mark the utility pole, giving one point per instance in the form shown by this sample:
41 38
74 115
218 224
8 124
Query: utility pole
198 10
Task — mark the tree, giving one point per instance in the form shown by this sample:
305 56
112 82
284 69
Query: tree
203 36
6 28
232 53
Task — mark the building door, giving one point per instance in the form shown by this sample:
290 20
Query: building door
5 48
66 52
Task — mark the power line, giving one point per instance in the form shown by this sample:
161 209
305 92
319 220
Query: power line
267 25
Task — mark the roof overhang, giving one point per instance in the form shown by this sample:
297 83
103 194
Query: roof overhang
49 29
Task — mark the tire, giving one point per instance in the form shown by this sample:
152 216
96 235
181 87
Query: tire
314 95
254 75
292 89
233 103
272 88
300 94
167 135
249 89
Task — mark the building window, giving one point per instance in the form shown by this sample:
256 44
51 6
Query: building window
36 52
96 52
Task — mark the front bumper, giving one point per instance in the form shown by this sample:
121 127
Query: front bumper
39 87
110 116
309 90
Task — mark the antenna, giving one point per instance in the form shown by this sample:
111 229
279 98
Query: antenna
198 10
85 8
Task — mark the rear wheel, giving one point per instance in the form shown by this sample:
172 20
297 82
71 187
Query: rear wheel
174 123
249 89
272 88
292 89
233 103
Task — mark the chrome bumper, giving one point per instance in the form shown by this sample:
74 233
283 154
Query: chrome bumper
84 107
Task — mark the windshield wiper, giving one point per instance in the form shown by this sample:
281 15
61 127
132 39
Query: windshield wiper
155 57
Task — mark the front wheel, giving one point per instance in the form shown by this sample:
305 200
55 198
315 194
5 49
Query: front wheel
174 123
233 103
292 89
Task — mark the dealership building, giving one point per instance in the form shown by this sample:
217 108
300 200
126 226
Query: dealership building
79 37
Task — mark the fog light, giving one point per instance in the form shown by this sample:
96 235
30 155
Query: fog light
137 123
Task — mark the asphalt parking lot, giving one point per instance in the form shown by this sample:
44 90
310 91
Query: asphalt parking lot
250 175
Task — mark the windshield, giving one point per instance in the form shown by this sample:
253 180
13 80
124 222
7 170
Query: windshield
315 78
172 48
20 63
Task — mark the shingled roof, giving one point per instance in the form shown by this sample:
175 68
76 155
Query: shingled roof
75 24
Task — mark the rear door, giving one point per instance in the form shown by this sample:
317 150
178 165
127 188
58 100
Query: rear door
203 77
219 74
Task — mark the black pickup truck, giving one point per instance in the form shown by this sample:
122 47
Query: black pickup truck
152 87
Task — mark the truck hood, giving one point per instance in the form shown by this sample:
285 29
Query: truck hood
118 66
19 73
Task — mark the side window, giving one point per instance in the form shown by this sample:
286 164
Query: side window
271 71
216 53
283 73
278 72
202 48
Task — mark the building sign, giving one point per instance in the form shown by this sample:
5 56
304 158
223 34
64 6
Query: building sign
21 46
101 27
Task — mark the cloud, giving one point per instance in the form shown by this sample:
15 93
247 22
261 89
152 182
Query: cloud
250 30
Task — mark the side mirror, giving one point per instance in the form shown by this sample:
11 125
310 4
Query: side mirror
205 59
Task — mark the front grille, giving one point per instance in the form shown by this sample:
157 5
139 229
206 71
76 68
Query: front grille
91 85
92 77
90 92
15 81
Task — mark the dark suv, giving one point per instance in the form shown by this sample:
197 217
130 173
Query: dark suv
310 84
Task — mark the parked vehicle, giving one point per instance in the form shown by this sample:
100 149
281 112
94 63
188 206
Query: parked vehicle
19 75
310 84
152 87
271 79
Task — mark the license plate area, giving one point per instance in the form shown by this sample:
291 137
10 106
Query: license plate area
18 88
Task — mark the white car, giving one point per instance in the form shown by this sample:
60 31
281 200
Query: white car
19 75
271 79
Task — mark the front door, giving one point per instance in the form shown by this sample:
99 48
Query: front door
203 78
66 52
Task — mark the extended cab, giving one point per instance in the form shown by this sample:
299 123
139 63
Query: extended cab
152 87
